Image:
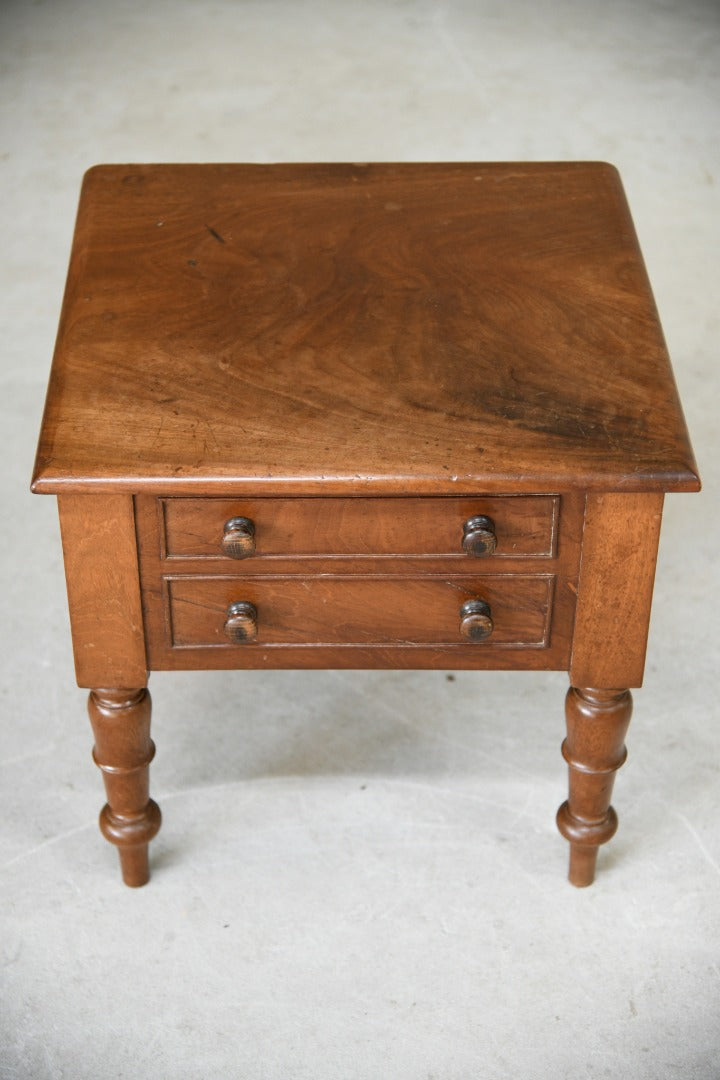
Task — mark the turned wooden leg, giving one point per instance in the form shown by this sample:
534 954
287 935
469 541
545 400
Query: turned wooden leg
597 721
123 751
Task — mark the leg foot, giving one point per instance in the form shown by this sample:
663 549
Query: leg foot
123 751
597 721
583 860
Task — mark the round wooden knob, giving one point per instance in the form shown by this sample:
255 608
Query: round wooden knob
475 620
238 540
241 622
479 537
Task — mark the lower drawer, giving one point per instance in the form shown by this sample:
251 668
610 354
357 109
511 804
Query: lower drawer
352 610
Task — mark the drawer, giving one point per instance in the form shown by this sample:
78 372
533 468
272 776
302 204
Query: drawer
351 610
195 528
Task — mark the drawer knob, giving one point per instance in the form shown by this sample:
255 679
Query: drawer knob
238 540
479 537
476 620
241 622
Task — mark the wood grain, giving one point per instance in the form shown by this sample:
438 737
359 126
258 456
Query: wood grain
525 526
360 611
101 569
617 572
343 329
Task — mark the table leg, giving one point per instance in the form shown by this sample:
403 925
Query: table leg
123 751
597 721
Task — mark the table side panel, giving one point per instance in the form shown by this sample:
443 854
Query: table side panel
617 573
101 569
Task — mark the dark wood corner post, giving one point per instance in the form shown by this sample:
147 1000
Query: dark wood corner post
101 568
620 543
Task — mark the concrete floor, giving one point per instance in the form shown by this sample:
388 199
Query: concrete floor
359 874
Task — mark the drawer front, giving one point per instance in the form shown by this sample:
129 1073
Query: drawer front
525 526
359 611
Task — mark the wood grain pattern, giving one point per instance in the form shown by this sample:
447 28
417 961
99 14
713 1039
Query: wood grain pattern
101 569
345 329
525 526
360 611
617 572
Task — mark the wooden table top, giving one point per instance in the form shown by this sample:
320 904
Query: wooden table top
359 329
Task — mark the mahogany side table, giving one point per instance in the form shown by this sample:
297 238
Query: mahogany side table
359 416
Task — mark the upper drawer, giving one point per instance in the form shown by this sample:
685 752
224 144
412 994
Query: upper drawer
523 526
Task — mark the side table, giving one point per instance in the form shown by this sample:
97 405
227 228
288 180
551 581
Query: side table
359 416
